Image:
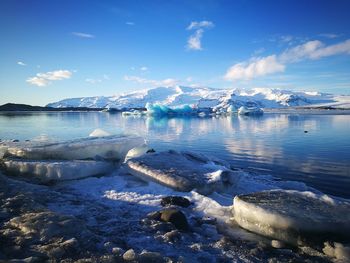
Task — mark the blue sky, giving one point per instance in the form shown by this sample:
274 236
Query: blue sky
50 50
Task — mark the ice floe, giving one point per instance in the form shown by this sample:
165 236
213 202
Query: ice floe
113 147
48 171
292 216
183 171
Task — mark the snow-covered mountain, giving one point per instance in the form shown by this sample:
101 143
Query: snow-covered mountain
203 97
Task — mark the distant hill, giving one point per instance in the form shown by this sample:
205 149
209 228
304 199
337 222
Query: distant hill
203 97
25 107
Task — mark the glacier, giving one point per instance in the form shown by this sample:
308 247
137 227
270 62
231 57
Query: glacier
204 98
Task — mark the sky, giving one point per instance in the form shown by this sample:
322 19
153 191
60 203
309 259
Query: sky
51 50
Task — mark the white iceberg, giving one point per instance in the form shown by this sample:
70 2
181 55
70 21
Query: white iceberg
49 171
109 148
292 216
183 171
250 111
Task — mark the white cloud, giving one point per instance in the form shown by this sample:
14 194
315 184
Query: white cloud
194 41
201 24
44 79
130 23
258 67
165 82
143 68
40 82
83 35
300 52
255 68
21 63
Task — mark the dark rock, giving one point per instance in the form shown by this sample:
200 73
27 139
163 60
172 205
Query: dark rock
305 131
151 151
150 257
172 236
176 217
175 200
15 140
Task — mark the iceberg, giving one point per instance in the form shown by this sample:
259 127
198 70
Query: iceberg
250 111
49 171
183 171
293 216
112 148
161 110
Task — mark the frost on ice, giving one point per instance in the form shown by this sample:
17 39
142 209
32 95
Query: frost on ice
47 171
108 147
183 171
292 216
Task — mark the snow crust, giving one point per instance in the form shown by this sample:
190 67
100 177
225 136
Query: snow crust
291 215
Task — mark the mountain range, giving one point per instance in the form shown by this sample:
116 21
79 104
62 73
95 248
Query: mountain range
203 97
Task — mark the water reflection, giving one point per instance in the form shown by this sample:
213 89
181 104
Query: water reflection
273 143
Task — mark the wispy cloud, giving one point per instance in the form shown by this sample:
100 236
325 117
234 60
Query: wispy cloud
165 82
201 24
194 41
130 23
144 68
261 66
83 35
97 80
44 79
329 35
21 63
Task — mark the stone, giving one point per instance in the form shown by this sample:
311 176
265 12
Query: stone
176 217
175 200
150 257
129 255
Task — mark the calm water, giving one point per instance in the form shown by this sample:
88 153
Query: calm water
274 143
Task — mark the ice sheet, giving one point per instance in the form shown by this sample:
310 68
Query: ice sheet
183 171
292 216
48 171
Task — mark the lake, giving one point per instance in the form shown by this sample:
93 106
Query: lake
312 148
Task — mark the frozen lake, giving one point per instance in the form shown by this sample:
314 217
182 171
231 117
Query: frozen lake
312 148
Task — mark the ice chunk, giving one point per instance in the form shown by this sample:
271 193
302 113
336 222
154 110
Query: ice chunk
182 171
47 171
99 133
108 147
137 151
292 216
250 111
161 110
